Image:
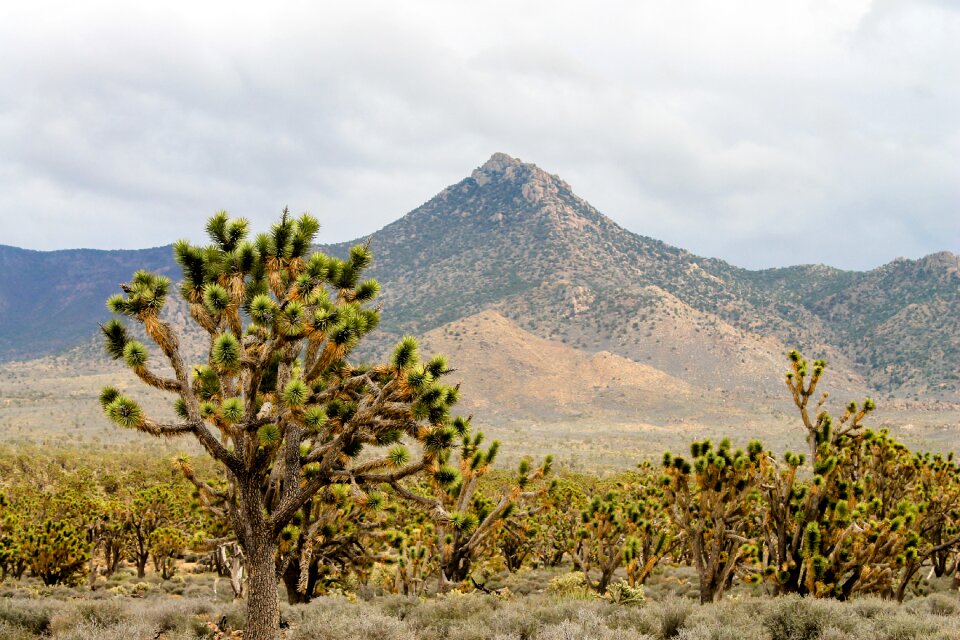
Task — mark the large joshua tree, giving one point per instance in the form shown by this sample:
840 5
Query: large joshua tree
276 403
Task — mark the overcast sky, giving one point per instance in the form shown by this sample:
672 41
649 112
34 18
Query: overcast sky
766 133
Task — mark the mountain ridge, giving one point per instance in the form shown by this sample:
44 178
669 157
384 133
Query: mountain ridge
514 239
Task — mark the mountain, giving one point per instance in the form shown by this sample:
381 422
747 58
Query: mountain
548 379
52 300
538 270
516 239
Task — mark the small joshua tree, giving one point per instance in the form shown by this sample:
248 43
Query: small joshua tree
623 528
12 561
414 556
466 520
57 551
937 496
329 534
842 531
713 503
276 403
151 508
166 543
557 527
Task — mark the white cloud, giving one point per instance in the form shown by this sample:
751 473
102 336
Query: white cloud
763 133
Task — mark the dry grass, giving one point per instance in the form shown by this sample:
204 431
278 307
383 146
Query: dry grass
75 615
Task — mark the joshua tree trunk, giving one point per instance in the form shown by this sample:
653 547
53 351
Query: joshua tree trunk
291 579
456 569
141 555
263 604
604 582
708 588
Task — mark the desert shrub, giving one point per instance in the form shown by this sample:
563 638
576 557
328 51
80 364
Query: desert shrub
171 615
939 604
550 611
518 620
93 631
103 613
642 620
527 581
588 625
342 622
727 620
526 617
398 606
32 615
10 631
570 585
673 616
796 618
870 607
716 631
439 615
903 625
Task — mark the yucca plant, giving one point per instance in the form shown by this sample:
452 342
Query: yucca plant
466 519
622 526
277 402
714 503
845 530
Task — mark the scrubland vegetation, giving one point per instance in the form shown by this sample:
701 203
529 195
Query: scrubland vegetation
188 610
354 491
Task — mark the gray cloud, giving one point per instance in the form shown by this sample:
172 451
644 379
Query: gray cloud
763 133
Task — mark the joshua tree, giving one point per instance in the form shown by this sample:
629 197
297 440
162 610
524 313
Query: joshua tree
277 404
165 544
152 508
556 528
414 556
714 505
627 528
57 551
935 533
329 534
12 560
466 520
843 531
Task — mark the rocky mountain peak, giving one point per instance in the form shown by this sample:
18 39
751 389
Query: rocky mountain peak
944 260
534 190
507 169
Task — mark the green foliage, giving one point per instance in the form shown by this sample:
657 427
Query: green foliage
279 405
714 503
166 543
57 551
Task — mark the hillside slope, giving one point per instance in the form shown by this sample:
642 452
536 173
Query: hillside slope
514 239
53 300
547 379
